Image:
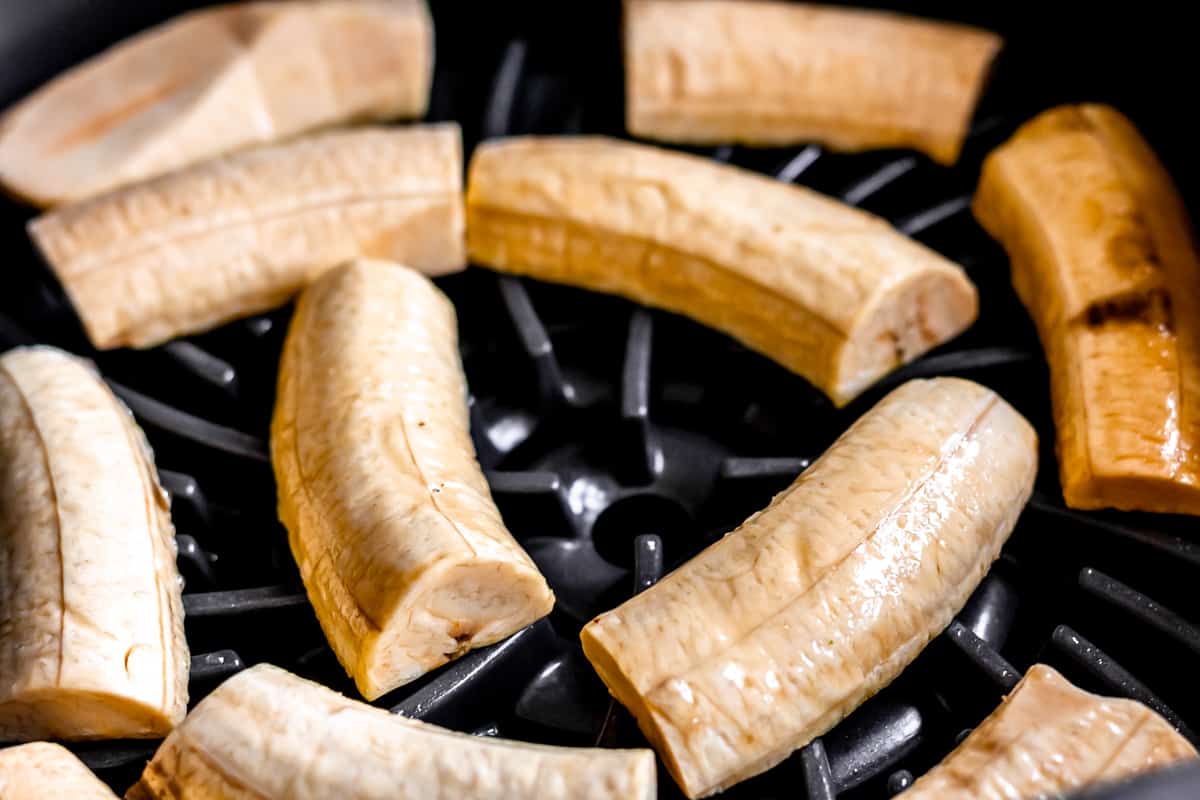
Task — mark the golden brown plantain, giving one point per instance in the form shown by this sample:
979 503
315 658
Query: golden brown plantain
266 734
831 292
771 636
771 73
402 550
241 234
44 771
211 82
1104 258
91 617
1049 737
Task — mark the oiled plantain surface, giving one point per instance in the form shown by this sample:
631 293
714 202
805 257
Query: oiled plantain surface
403 552
1049 737
831 292
1104 258
771 636
773 73
234 236
44 771
266 734
211 82
91 614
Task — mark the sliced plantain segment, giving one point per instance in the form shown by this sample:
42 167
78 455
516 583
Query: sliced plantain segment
266 734
1049 737
91 617
241 234
832 293
771 636
771 73
1103 257
402 550
44 771
211 82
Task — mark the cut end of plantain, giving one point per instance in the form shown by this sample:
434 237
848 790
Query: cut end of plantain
1104 259
771 636
211 82
831 292
266 734
91 614
773 74
1048 738
44 771
226 238
403 552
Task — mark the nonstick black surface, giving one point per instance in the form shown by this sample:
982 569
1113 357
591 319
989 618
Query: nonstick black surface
620 440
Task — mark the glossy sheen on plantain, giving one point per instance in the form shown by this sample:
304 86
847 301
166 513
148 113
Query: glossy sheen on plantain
44 771
1104 259
773 73
91 617
268 735
211 82
771 636
831 292
1048 738
241 234
402 550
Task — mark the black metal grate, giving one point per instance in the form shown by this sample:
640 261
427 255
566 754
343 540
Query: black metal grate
618 442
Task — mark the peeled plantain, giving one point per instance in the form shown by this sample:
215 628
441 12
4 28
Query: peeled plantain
1104 259
404 555
831 292
1049 737
91 617
44 771
241 234
211 82
771 73
266 734
772 635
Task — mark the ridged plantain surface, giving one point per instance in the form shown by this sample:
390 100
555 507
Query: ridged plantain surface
211 82
231 237
1104 259
44 771
91 614
773 73
403 552
1049 737
831 292
266 734
772 635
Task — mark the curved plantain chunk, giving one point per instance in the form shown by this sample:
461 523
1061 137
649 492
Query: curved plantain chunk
1103 257
211 82
91 618
1049 737
266 734
830 292
44 771
770 73
238 235
402 550
771 636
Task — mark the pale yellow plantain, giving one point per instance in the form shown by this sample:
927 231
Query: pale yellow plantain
44 771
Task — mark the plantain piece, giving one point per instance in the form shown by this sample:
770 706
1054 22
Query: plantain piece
770 73
831 292
404 555
1049 737
232 237
91 618
1104 260
771 636
266 734
211 82
41 770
